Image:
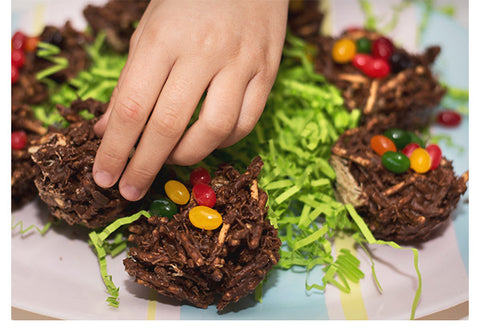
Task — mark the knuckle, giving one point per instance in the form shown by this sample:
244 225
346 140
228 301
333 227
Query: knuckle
217 127
141 174
130 110
111 156
181 160
167 124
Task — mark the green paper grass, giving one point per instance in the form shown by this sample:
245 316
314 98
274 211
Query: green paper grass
22 230
371 240
103 248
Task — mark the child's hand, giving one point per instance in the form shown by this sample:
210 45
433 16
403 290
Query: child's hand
179 50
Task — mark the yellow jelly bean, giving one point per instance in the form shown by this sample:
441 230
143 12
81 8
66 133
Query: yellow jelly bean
177 192
420 160
343 50
204 217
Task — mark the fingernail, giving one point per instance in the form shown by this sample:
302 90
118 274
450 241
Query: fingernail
130 193
103 179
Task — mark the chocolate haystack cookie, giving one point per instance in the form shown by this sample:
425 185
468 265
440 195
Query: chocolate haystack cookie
65 159
407 95
200 266
117 19
406 207
23 188
305 19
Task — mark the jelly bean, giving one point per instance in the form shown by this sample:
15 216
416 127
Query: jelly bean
199 175
400 137
19 140
395 162
54 37
415 139
204 217
409 148
420 160
177 192
400 61
376 68
353 29
18 40
381 144
15 74
435 154
31 44
343 50
364 45
449 118
360 60
163 207
382 48
204 195
18 58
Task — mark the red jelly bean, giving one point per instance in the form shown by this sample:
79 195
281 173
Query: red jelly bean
204 195
18 40
376 68
449 118
360 60
353 29
199 175
383 48
18 58
381 144
435 154
15 74
19 140
408 149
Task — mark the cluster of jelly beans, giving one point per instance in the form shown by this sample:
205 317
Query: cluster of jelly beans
201 216
401 150
375 59
21 44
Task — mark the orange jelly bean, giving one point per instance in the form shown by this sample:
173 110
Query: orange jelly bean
381 144
420 160
344 50
177 192
204 217
31 43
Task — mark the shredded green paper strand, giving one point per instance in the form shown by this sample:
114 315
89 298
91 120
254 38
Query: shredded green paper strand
103 248
42 230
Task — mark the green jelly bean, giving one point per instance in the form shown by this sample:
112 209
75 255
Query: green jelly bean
395 162
415 139
400 137
163 207
364 45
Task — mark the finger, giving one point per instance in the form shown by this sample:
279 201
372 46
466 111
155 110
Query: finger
175 106
255 98
132 105
217 118
101 125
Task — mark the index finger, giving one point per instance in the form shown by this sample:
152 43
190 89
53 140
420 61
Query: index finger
141 85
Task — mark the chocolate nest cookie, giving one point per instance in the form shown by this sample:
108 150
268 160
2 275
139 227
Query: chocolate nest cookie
207 266
117 19
406 207
64 181
23 169
407 95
